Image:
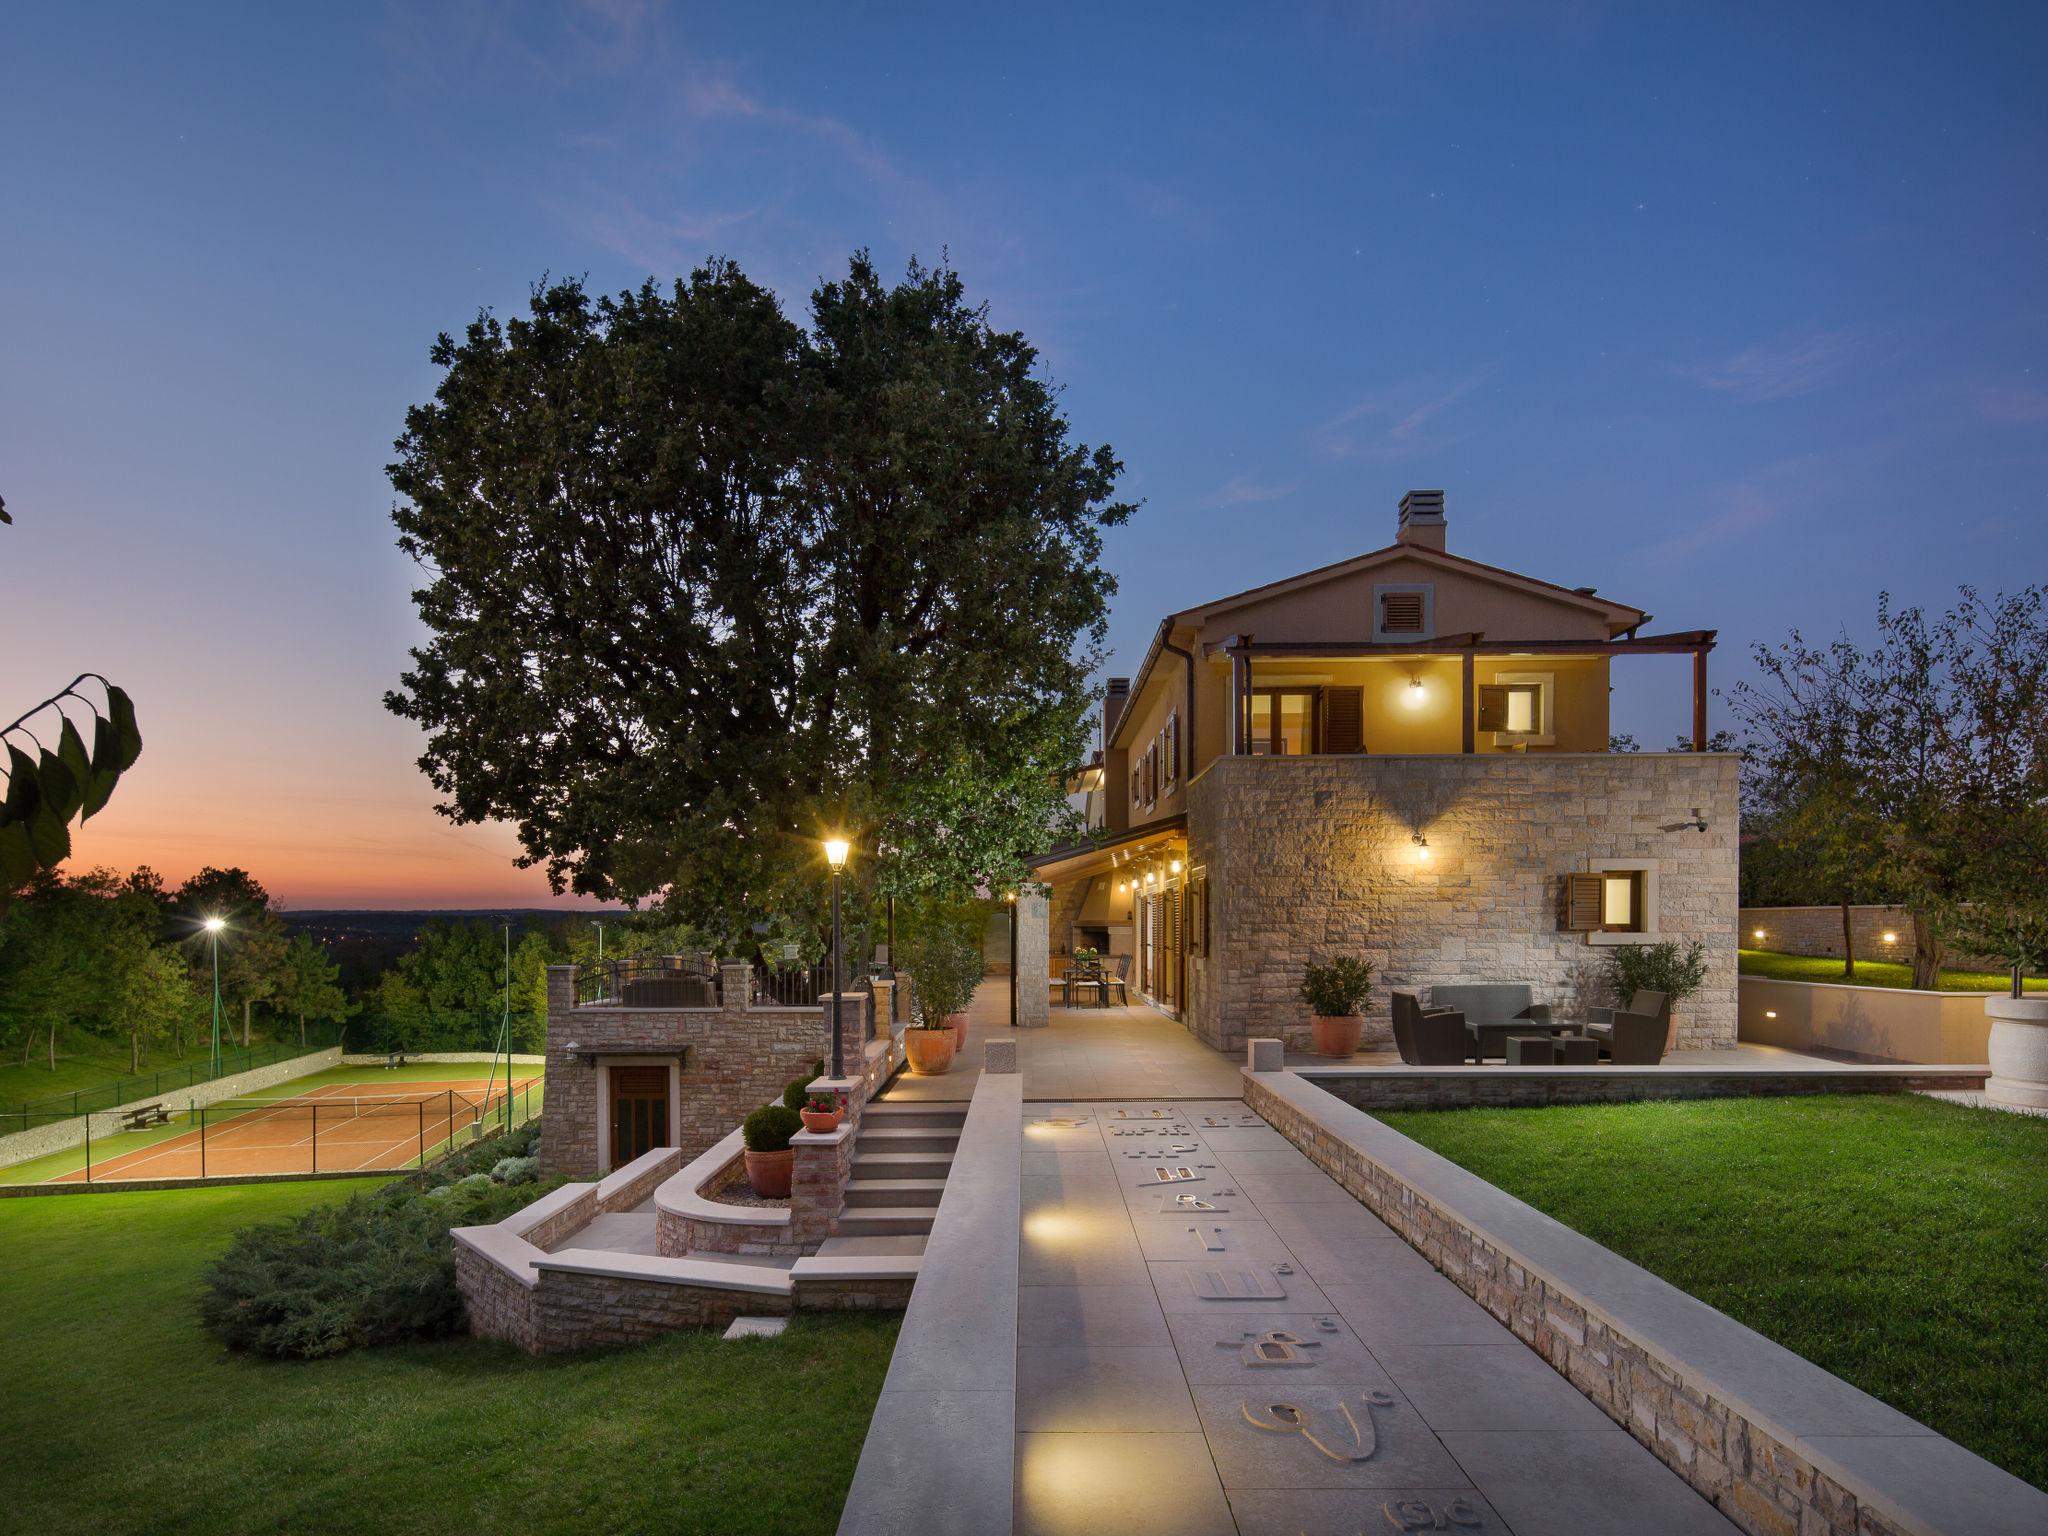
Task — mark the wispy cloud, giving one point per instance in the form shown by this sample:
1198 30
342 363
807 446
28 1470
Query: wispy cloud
1242 491
2013 405
660 243
1397 422
1777 370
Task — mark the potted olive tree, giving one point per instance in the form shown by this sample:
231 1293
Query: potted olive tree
771 1164
1336 992
1678 970
948 969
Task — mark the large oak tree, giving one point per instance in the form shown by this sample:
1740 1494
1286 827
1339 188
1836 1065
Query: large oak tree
704 583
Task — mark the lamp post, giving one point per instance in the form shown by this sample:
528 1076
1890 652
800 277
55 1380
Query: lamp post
213 928
835 855
599 925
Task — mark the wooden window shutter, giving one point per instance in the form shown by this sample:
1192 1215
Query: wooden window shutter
1401 612
1582 903
1343 719
1493 710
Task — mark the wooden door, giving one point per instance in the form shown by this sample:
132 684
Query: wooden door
639 1112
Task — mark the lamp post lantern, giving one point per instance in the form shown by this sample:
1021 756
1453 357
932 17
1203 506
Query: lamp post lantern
213 928
835 854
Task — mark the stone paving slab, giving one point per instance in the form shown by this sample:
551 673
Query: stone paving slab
1309 1374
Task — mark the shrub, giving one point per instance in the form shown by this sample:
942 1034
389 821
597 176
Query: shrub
794 1095
1675 969
945 968
376 1269
1337 987
769 1128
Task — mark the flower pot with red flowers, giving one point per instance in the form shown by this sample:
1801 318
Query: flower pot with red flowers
771 1164
821 1113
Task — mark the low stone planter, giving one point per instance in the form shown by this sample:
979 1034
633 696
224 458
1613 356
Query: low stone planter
1335 1034
2018 1051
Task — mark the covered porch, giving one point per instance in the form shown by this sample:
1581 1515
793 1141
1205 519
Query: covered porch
1120 919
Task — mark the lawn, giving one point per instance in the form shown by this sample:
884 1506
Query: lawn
119 1414
83 1061
1897 1241
1872 973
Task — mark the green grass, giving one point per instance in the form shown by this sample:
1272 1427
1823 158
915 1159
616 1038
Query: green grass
83 1061
119 1414
1898 1241
1872 973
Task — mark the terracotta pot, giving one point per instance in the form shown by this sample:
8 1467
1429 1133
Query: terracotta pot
931 1051
819 1121
1671 1036
959 1023
1336 1035
769 1173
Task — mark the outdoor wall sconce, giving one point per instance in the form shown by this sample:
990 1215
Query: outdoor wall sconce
1770 1013
1421 849
1175 866
1757 934
1890 938
1699 820
577 1053
1416 692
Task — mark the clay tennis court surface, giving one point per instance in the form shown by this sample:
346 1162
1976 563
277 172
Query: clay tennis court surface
334 1128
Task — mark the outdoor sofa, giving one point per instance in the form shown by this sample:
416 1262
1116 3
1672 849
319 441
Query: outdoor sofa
1493 1010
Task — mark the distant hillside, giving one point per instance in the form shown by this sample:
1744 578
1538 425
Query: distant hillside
383 924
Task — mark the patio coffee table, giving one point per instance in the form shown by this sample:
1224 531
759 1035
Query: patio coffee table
1484 1040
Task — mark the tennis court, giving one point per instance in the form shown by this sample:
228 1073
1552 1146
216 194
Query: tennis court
336 1127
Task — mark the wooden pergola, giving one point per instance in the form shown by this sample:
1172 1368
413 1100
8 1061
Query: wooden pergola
1241 649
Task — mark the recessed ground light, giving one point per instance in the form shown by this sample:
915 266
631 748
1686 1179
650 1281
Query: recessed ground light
1770 1013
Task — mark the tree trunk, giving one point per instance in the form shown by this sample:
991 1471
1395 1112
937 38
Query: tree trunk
302 1031
246 1005
134 1049
1848 945
53 1045
1926 953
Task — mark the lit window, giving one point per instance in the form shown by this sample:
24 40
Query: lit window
1621 901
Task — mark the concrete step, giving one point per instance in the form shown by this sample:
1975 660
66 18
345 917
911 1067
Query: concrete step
870 1247
882 1112
901 1165
916 1138
884 1221
894 1192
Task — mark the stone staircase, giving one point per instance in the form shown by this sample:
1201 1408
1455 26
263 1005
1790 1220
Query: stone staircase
899 1172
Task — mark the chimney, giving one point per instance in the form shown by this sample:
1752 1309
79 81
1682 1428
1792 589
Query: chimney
1422 519
1114 698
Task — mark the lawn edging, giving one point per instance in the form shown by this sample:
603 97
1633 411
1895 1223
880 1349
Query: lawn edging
1777 1444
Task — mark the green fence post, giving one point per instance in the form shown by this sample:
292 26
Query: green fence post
423 1133
88 1149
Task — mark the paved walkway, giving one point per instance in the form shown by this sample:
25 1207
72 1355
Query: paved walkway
1085 1053
1280 1362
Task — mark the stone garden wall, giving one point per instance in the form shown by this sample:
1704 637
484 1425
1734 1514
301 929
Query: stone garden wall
1309 857
1818 931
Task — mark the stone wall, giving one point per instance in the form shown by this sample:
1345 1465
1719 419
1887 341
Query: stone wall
578 1309
1309 857
1818 931
498 1303
1756 1480
1532 1087
738 1057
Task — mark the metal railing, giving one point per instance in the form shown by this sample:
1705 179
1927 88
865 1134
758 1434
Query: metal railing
667 981
148 1085
310 1135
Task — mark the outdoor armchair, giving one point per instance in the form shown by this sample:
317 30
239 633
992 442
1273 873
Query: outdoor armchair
1434 1038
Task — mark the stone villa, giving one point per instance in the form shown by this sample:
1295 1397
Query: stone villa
1403 756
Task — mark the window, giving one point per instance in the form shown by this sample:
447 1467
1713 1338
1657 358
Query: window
1613 902
1519 708
1284 721
1403 611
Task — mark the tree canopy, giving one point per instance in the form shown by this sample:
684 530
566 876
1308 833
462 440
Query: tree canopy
704 584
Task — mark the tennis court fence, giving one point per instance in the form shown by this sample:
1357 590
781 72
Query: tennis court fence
342 1133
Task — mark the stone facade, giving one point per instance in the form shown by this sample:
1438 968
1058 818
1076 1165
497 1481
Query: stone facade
1309 857
737 1058
1753 1478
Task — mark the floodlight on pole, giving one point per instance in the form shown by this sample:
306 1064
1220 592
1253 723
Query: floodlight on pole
213 926
836 849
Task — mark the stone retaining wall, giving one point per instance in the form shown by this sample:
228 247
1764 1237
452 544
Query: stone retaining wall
1818 931
1309 857
576 1310
1729 1453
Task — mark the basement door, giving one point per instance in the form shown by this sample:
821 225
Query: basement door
639 1112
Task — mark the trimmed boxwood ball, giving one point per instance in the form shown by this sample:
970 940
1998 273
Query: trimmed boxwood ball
769 1128
794 1095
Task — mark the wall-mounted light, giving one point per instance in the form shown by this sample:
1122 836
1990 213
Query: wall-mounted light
1421 849
1757 934
1891 938
1175 866
1416 692
1770 1013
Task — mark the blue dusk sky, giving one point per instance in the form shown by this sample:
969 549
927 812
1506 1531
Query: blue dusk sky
1739 313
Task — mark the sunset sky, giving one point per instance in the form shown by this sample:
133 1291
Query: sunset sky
1739 314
